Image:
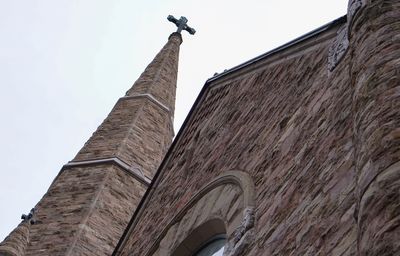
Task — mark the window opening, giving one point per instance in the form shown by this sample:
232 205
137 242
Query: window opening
214 247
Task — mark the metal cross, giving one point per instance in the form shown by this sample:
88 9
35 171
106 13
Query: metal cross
29 217
181 24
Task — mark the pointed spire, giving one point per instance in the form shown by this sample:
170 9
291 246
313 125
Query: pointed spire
139 129
95 194
159 78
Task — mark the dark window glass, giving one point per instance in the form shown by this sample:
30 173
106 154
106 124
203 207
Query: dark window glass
213 248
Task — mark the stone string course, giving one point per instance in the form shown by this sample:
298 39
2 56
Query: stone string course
133 132
321 147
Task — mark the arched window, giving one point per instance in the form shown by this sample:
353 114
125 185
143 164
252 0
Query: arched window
218 218
214 247
207 240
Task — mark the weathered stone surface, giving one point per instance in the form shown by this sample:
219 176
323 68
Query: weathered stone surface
353 7
159 78
139 129
320 151
84 212
322 147
229 197
376 63
16 243
288 124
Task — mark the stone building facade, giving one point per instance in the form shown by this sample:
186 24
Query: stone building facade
295 152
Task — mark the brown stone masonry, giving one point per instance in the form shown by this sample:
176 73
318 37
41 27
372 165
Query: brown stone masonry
320 142
287 122
375 69
84 211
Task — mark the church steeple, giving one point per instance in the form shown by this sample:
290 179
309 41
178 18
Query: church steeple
139 129
158 81
90 202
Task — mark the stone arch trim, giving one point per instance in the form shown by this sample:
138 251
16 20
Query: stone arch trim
235 188
195 240
242 179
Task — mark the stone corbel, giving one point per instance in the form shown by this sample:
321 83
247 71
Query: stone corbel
243 234
338 48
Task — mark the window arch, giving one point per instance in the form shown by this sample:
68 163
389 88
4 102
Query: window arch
210 234
214 247
224 206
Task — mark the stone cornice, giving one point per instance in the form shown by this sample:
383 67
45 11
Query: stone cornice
149 97
134 172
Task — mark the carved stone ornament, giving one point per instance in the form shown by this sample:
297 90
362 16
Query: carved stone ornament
243 234
341 43
353 7
338 48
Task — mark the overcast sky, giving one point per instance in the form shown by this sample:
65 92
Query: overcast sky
64 64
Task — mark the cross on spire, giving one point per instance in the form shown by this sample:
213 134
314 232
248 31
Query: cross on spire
181 24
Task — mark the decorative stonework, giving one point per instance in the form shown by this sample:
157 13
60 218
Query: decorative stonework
341 43
339 48
353 7
231 196
247 224
134 171
242 235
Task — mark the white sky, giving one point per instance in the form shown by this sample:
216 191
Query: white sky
64 64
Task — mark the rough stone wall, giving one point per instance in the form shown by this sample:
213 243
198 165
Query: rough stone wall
375 35
149 140
159 78
16 243
308 137
106 140
289 125
137 131
79 214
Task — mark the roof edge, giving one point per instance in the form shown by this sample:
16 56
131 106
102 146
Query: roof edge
281 48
